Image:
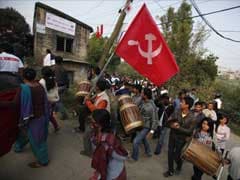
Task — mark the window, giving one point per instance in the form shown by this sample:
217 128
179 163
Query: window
69 45
64 44
60 43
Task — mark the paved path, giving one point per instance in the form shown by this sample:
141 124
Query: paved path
67 164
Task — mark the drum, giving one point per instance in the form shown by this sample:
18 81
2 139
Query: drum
130 117
124 99
83 88
202 156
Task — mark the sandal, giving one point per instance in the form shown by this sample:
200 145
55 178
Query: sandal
35 165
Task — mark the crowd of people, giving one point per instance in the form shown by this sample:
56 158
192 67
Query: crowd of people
186 116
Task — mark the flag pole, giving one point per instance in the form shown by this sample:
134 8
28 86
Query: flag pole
102 71
114 34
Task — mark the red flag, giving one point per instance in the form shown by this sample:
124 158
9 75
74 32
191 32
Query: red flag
101 30
97 33
144 48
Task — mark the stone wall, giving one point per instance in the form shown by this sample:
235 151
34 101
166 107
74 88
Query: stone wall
76 71
49 40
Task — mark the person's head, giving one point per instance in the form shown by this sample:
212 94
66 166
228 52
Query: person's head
101 85
217 95
207 125
198 107
210 106
186 103
204 105
48 51
128 85
29 74
222 119
181 94
101 118
193 91
6 47
147 94
165 99
49 76
96 70
137 89
58 60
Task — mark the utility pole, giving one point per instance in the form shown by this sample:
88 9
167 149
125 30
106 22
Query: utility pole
114 34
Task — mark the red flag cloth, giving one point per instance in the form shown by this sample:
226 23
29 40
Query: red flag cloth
144 48
97 33
101 30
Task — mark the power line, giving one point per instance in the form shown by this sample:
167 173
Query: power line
214 12
209 25
205 14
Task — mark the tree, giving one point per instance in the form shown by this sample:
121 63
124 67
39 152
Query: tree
196 67
95 50
125 69
15 30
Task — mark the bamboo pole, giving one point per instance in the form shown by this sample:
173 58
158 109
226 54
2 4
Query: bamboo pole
114 35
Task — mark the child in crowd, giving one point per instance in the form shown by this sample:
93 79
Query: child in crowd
222 132
109 155
204 135
49 84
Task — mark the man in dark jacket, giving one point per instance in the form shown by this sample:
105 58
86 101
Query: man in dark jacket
165 109
182 124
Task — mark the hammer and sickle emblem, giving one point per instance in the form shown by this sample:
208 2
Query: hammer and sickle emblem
150 54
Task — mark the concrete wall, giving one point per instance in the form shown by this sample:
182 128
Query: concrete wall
76 71
49 40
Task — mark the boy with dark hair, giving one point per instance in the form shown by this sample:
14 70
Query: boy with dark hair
180 130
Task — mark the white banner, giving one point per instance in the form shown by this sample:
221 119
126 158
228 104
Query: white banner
41 28
60 24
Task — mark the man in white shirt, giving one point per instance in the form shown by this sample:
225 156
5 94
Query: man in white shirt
9 62
209 112
48 59
218 101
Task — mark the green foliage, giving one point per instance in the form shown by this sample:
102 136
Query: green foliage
196 67
15 30
95 50
125 69
231 99
12 20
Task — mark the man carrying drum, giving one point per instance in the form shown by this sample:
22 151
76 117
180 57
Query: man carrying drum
150 117
182 124
101 101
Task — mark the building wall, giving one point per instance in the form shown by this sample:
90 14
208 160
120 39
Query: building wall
76 71
49 40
